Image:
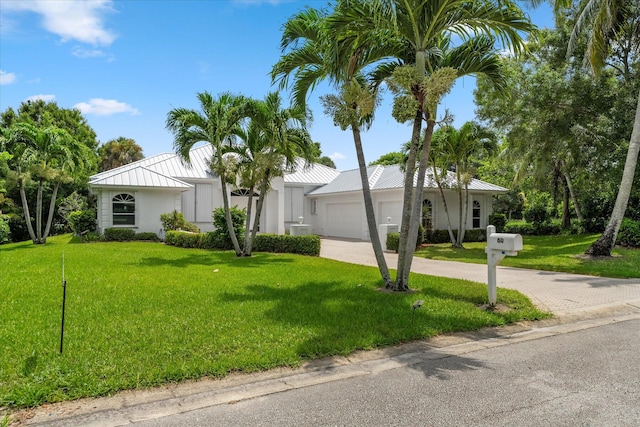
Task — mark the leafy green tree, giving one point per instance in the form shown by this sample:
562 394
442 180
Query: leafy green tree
118 152
389 159
217 123
48 156
611 28
319 158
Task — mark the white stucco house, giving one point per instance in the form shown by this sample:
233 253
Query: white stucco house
331 202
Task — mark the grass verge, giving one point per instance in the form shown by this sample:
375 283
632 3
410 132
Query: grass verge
549 253
143 314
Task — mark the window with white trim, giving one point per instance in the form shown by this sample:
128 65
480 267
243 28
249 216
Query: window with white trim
476 214
314 206
124 209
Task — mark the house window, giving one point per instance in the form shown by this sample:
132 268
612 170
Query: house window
476 214
427 214
124 209
314 207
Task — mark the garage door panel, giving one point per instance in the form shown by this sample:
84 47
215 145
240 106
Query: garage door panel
344 220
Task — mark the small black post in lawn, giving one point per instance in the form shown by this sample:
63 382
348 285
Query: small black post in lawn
64 301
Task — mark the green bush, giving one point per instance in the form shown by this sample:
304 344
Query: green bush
81 221
304 245
238 217
147 236
175 221
5 232
213 240
537 214
92 237
393 241
629 234
498 220
550 228
183 239
119 235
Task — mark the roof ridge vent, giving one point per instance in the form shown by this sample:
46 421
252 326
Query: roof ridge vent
375 175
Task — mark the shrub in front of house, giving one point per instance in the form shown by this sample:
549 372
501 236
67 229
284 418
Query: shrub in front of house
393 241
175 221
303 245
183 239
223 238
629 234
147 236
119 235
83 221
498 220
525 228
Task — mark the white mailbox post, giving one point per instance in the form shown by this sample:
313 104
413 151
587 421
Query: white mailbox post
499 245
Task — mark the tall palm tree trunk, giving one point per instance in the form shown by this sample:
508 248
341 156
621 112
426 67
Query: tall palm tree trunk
52 207
247 227
604 245
574 198
27 215
227 214
452 238
402 276
256 223
416 211
460 209
39 212
368 208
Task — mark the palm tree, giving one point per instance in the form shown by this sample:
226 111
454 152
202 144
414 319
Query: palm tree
218 123
427 67
310 55
273 140
48 155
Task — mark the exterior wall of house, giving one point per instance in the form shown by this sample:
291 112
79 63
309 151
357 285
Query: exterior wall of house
343 215
297 205
149 204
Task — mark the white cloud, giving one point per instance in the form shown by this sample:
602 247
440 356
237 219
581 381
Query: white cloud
45 98
7 78
105 107
87 53
337 156
70 19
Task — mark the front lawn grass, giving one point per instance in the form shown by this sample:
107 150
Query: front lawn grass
550 253
142 314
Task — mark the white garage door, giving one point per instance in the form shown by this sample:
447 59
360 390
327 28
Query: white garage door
345 220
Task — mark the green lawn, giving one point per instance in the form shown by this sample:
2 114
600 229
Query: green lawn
551 253
142 314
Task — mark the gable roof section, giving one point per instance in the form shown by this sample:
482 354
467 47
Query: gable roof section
138 176
390 177
313 174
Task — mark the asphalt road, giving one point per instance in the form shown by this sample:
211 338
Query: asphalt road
589 377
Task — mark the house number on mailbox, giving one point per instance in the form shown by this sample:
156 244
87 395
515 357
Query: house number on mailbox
500 240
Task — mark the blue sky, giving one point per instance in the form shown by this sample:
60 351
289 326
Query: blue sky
126 64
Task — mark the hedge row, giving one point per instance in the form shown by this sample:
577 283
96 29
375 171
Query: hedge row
437 236
304 245
121 235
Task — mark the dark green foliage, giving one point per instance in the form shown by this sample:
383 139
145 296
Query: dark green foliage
238 217
119 235
498 220
549 228
147 236
5 232
82 221
18 228
393 241
629 234
442 236
537 214
596 209
303 245
213 240
92 237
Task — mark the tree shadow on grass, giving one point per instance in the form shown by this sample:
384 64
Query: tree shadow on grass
212 259
331 318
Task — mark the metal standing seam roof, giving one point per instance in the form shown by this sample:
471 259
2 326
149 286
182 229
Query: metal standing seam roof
390 177
314 174
139 176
